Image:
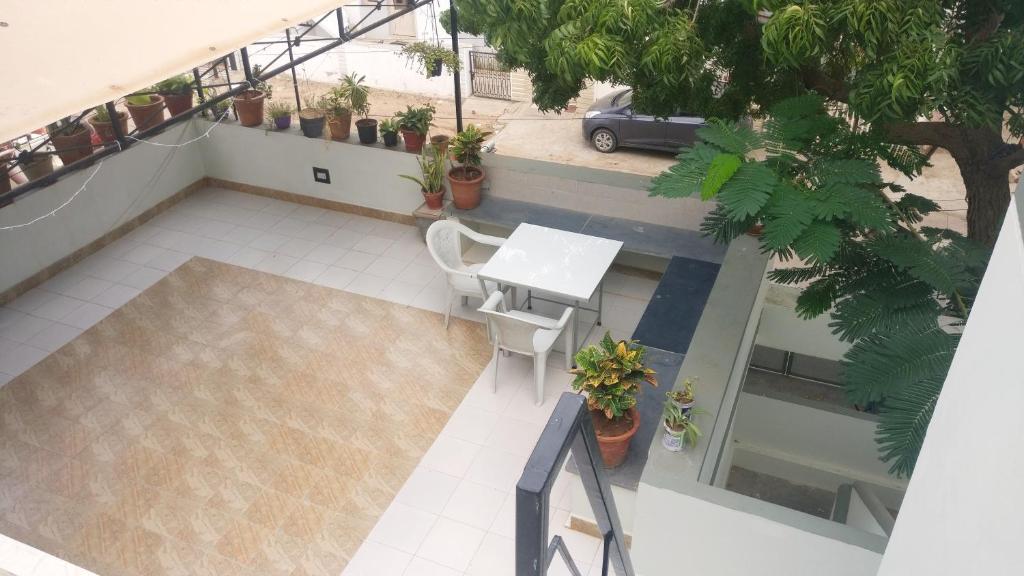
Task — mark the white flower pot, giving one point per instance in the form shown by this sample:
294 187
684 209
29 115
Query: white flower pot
672 441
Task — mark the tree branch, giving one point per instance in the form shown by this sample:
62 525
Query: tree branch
825 85
941 134
1012 160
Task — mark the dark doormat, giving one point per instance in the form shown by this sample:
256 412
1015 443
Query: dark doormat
671 316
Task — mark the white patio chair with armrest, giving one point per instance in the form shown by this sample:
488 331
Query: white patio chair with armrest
526 334
444 241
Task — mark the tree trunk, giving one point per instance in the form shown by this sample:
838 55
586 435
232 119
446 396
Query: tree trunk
988 196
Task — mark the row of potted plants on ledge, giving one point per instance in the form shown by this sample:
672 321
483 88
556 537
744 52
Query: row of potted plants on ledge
611 375
464 174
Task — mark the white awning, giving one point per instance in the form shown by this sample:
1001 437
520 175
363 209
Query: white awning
63 56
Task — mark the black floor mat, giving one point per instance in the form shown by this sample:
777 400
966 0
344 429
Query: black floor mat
671 316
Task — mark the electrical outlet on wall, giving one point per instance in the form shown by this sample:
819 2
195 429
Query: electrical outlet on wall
321 175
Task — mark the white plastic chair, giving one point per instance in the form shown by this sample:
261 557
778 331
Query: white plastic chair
526 334
444 241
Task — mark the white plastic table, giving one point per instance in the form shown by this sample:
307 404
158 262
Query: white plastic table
563 264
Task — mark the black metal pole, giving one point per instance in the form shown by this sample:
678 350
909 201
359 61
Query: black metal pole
246 67
295 78
341 22
199 86
115 126
454 21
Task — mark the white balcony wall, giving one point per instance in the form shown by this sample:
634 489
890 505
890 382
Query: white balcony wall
126 185
782 329
962 511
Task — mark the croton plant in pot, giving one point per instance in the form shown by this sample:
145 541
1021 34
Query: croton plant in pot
466 176
414 124
611 374
431 183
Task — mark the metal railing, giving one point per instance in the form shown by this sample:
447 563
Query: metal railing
569 428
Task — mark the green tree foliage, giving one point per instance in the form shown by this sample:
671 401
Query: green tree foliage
886 63
888 285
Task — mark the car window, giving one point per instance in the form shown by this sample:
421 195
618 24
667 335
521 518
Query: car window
624 99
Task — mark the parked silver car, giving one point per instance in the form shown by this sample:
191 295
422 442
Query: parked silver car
612 122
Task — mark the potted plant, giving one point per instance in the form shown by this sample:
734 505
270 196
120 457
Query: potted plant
432 183
100 122
176 92
34 165
339 113
414 124
71 139
441 141
312 117
680 429
610 376
147 110
467 178
683 398
249 104
359 97
431 58
221 109
389 132
280 114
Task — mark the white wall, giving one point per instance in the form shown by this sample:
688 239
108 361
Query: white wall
126 185
782 329
360 175
963 510
806 445
683 534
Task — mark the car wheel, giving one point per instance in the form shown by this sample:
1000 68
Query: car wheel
604 140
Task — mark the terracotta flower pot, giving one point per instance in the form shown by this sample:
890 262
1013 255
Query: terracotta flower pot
146 116
40 166
249 106
413 140
341 126
466 187
433 200
178 103
74 146
105 130
755 230
440 141
614 448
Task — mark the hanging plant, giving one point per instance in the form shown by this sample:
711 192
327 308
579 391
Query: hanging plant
431 58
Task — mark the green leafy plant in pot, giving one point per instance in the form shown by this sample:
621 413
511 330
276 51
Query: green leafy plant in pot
280 114
147 110
414 124
177 93
431 58
432 182
313 116
71 139
389 132
684 396
466 176
679 425
100 122
249 104
359 97
610 374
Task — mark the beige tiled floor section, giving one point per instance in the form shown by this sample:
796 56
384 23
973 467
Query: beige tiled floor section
228 421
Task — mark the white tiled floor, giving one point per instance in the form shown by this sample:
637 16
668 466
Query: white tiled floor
455 515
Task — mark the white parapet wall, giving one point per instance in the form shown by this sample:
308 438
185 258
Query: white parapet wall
782 329
367 176
125 185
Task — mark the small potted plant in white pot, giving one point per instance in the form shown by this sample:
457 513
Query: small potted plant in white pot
680 429
683 397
